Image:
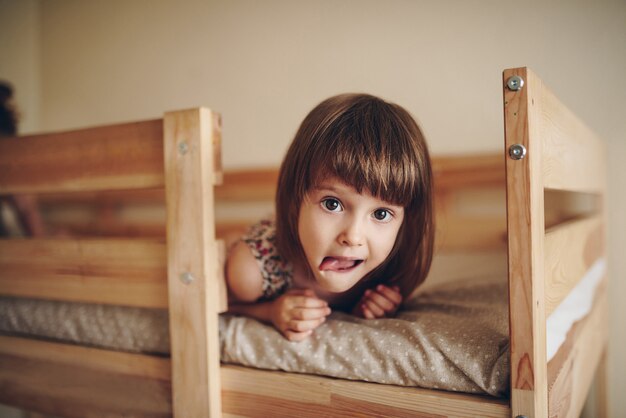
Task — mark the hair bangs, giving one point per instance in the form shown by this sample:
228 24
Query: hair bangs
373 157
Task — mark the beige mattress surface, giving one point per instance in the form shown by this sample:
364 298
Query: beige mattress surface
453 336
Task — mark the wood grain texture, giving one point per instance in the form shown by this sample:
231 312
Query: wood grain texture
570 250
259 393
113 271
192 262
601 384
72 381
525 219
461 171
572 369
220 272
124 156
573 156
140 365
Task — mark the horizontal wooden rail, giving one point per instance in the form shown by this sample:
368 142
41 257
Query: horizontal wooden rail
455 172
570 249
140 365
113 271
573 156
55 375
253 184
248 185
74 381
571 371
128 272
250 392
124 156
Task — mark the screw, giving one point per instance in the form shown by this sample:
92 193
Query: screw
183 148
187 277
517 151
515 83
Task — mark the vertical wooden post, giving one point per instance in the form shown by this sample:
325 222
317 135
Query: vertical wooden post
525 214
601 388
191 169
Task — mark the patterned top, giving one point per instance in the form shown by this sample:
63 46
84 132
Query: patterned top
277 272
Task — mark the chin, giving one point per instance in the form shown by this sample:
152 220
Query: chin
330 285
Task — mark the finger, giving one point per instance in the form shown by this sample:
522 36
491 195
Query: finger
302 326
391 293
381 301
367 314
297 336
309 302
376 310
310 313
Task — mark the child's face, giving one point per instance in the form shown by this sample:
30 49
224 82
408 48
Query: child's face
344 234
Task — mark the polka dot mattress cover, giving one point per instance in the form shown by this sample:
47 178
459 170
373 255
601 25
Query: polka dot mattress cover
452 337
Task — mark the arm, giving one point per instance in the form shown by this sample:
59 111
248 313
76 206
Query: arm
379 302
295 314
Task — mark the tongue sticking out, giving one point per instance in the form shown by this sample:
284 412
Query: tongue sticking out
337 264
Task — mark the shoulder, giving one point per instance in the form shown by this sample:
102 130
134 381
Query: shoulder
243 275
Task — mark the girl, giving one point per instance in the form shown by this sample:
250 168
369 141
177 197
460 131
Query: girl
354 222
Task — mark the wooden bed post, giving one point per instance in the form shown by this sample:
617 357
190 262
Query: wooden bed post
525 217
191 169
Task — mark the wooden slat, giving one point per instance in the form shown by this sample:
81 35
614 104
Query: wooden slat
222 288
525 219
136 197
574 158
73 381
140 365
449 172
125 156
467 233
248 185
192 262
455 172
572 369
113 271
250 392
570 250
601 386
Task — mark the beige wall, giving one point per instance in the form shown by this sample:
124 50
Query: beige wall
264 64
20 56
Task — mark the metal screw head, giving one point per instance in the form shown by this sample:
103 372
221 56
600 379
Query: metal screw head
517 151
515 83
186 277
183 148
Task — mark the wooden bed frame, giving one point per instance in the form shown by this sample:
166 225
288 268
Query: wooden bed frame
548 254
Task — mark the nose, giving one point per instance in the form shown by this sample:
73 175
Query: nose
352 234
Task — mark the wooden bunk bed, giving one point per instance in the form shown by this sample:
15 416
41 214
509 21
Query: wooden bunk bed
177 160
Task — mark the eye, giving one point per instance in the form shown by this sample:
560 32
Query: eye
383 215
332 205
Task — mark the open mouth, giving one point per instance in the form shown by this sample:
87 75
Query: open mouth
339 264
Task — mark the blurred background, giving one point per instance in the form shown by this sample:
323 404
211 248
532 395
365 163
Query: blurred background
265 64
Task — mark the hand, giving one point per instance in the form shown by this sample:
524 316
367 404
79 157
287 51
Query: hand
379 302
297 313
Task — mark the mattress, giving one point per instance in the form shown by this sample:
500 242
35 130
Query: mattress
451 336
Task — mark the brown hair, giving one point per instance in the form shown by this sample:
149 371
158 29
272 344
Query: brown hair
8 115
369 144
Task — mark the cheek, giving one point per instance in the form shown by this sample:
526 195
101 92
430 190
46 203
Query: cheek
386 241
306 230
